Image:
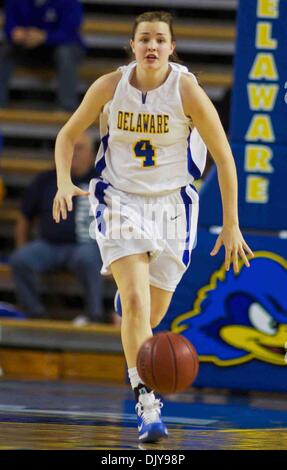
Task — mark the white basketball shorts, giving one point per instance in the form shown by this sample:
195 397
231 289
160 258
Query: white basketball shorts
162 226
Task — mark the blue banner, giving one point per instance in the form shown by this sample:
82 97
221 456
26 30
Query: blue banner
259 105
258 120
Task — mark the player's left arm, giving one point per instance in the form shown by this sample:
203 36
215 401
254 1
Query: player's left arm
200 109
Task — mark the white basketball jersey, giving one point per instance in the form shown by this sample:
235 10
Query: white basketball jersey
148 145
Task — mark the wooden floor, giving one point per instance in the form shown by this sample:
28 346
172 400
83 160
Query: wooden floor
63 415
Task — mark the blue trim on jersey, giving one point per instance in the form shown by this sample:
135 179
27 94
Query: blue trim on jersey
192 167
101 165
188 208
100 195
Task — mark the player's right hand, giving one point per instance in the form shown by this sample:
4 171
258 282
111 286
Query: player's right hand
63 200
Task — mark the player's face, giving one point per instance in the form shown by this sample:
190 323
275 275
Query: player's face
152 44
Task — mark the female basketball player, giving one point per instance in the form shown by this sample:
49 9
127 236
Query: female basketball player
155 122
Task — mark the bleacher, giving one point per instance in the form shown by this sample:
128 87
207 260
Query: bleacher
205 34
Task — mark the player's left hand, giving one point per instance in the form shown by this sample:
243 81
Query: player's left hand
235 247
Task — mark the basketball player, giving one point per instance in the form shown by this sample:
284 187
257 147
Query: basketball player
155 121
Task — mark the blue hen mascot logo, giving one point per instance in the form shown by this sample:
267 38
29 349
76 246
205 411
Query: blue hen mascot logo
237 318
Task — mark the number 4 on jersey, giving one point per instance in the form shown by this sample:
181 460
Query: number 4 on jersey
143 149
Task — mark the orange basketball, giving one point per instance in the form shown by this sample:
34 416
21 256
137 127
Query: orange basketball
167 363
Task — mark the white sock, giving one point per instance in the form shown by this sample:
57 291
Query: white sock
134 377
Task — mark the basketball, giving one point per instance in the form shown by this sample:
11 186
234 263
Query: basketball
167 363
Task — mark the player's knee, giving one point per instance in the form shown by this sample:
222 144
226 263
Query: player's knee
133 307
154 322
158 311
156 318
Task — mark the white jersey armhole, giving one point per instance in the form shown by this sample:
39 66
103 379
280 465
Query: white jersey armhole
182 69
196 142
106 108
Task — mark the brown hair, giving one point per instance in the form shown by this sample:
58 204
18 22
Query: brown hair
152 16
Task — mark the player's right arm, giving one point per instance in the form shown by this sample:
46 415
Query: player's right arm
96 97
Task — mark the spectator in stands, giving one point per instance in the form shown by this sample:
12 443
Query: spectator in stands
60 246
43 32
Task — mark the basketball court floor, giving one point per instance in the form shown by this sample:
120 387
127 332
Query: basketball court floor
86 416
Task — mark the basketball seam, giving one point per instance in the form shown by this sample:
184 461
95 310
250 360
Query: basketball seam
174 360
192 350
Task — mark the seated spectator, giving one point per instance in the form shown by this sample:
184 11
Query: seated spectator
63 246
43 32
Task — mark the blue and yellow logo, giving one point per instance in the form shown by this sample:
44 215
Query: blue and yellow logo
237 318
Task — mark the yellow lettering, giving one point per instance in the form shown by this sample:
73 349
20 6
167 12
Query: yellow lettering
120 120
145 121
268 8
262 97
257 189
139 123
125 122
264 36
165 123
257 159
260 129
264 67
152 124
132 129
159 124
